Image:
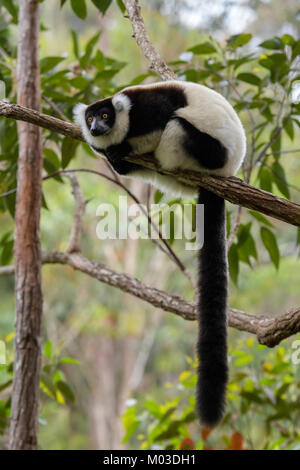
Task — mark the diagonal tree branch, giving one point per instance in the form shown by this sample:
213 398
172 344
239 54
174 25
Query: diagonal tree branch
20 113
142 38
270 331
232 189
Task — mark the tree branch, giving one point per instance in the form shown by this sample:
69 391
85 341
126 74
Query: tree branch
232 189
20 113
270 331
142 38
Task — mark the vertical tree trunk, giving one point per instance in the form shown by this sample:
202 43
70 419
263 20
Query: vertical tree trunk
29 301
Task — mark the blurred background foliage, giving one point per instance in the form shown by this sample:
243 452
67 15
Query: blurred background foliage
106 354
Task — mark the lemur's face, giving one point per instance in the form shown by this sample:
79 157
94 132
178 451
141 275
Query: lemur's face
100 118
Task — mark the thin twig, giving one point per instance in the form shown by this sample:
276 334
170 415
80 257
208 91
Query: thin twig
55 108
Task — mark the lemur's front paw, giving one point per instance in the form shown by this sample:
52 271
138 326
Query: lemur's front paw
113 154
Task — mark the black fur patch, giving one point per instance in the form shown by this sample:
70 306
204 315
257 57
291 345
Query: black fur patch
209 152
213 294
115 155
152 108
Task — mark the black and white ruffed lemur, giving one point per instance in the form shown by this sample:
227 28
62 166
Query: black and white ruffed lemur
185 126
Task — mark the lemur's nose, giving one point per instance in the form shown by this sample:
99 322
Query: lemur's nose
94 131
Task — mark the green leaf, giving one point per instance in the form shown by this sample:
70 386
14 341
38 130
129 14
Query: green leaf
50 168
274 43
238 40
276 145
270 243
48 63
88 50
48 349
233 259
44 202
7 252
278 66
243 233
47 382
79 8
288 40
64 388
10 203
102 5
279 179
247 250
11 8
298 237
130 431
242 361
5 385
153 408
99 61
296 50
68 151
158 196
260 218
58 376
121 6
81 83
249 78
75 44
140 78
265 179
289 129
203 48
52 157
69 360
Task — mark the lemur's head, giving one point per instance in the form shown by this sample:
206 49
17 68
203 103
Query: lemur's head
104 122
100 117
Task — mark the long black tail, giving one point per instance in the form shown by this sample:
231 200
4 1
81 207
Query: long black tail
213 293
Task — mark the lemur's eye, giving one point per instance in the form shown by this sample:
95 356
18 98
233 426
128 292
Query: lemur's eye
90 119
104 116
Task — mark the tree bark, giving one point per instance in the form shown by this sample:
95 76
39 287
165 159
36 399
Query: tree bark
28 292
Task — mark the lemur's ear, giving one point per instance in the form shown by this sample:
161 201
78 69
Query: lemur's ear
121 102
118 105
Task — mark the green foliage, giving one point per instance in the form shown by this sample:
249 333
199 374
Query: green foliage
262 411
270 243
79 7
53 382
